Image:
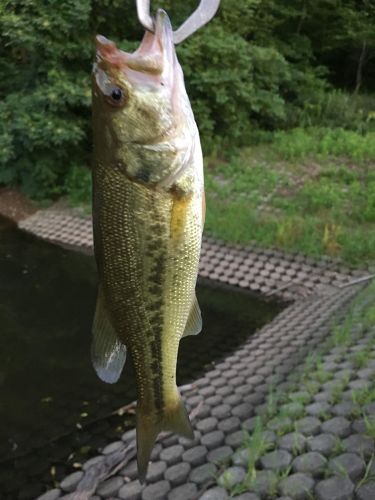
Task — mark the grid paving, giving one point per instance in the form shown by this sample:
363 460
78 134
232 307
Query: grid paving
263 271
317 447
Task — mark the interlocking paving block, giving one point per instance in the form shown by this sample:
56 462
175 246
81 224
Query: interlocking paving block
229 425
344 409
339 426
323 443
207 424
70 482
112 447
128 436
360 384
297 486
219 455
366 491
348 464
190 443
109 487
50 495
216 493
294 442
242 457
155 471
130 470
366 373
221 411
92 461
308 425
156 491
335 488
265 483
195 455
214 400
203 473
177 474
247 496
187 491
304 397
243 410
170 440
357 443
317 409
131 491
232 476
293 410
276 460
172 454
280 424
71 230
311 463
370 407
155 452
235 439
251 367
232 399
359 426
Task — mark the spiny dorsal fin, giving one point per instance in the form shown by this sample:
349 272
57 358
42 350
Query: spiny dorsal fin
194 322
108 354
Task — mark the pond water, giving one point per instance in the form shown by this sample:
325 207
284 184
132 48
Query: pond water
54 411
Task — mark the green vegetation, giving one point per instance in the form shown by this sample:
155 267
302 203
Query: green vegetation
265 76
280 416
310 190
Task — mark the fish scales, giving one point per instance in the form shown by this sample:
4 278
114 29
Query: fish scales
148 221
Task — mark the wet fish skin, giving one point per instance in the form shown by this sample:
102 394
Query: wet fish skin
148 221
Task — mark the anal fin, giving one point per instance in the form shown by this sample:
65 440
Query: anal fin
194 321
108 354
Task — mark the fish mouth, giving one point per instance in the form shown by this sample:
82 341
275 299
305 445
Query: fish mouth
154 57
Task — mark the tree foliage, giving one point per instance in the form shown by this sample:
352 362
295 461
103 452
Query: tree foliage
264 64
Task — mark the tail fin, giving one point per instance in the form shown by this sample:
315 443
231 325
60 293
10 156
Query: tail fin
173 419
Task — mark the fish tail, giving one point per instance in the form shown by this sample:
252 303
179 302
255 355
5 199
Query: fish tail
173 418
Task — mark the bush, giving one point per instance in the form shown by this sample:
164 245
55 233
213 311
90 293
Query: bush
247 70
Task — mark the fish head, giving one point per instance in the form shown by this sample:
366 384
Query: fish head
136 96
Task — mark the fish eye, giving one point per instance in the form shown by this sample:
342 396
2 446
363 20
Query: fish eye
116 96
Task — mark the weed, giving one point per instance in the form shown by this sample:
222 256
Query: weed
338 448
342 333
370 425
322 375
363 396
367 476
361 358
321 202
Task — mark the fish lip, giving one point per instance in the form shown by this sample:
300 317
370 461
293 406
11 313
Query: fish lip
154 55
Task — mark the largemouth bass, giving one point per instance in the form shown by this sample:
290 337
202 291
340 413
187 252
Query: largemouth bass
148 204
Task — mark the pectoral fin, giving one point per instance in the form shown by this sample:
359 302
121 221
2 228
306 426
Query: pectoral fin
108 354
194 322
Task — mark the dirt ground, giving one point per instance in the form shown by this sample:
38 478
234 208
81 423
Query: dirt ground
15 205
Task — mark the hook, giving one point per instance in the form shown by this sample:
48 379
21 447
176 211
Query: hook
201 16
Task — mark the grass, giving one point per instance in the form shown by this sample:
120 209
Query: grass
310 190
307 190
283 407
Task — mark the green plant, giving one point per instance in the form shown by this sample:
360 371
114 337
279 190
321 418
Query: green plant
370 425
342 333
367 476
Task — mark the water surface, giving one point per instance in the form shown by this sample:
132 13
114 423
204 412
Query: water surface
48 388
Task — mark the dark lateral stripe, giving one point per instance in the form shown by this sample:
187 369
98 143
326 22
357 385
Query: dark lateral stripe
155 248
